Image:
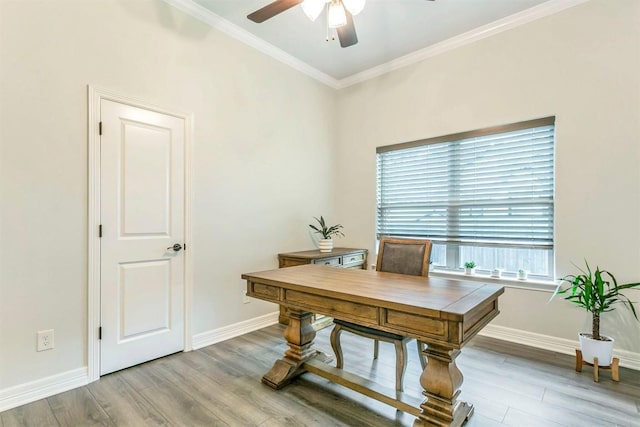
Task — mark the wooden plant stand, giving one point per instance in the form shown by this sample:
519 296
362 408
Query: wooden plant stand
613 367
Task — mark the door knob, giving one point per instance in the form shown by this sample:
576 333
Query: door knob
175 247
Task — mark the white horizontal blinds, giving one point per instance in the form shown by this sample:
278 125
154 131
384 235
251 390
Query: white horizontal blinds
489 189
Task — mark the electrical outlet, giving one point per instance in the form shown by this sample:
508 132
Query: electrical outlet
45 340
245 298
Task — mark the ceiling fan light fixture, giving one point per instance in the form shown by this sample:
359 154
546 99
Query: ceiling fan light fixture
354 6
336 15
313 8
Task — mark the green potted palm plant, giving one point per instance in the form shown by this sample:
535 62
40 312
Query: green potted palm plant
327 232
596 292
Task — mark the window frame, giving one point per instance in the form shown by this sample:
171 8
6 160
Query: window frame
453 250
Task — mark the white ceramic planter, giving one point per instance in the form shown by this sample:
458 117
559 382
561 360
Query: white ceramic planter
496 272
326 245
469 271
591 348
522 275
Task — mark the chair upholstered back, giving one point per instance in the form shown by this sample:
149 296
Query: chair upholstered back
404 256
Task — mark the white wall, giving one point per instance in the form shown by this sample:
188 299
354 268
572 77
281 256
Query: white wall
581 65
261 166
265 160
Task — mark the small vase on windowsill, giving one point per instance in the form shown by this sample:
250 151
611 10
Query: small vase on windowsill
522 274
470 268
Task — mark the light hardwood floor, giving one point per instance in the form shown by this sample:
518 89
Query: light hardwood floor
220 385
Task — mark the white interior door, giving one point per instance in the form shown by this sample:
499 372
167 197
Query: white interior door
142 158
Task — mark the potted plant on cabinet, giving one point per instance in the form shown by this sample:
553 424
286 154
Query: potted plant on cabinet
326 243
469 267
597 292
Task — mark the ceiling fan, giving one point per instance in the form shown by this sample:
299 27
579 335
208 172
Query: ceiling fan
339 15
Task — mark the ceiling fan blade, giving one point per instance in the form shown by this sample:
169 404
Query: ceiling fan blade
347 33
272 9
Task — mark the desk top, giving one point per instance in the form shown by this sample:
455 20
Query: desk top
427 296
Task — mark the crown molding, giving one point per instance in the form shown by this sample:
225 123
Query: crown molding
507 23
529 15
205 15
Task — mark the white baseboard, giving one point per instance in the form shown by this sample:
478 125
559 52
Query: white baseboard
22 394
39 389
628 359
226 332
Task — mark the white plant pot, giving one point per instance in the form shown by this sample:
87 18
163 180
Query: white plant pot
326 245
522 275
469 271
591 348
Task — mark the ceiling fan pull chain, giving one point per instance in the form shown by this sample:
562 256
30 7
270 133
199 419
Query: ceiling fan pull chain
326 20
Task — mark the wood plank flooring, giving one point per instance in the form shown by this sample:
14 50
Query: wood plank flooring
509 385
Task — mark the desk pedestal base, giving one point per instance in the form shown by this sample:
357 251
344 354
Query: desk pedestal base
299 335
465 411
441 379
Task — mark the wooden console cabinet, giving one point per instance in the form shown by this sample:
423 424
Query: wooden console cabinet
339 257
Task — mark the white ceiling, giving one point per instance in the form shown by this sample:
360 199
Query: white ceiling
389 31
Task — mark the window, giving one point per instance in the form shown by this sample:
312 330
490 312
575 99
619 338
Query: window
485 196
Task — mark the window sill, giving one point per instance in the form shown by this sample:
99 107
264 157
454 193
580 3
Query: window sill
509 282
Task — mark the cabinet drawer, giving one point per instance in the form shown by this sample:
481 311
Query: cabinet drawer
291 262
335 261
352 259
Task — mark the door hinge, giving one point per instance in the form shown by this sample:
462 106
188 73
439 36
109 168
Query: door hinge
100 128
100 230
100 333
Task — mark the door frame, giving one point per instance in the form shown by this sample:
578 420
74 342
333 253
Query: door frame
95 96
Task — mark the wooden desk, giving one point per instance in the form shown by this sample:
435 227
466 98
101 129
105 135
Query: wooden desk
444 313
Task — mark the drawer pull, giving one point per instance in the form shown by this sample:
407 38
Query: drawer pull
327 263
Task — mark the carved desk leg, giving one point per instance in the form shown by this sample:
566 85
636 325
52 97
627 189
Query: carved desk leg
299 335
441 380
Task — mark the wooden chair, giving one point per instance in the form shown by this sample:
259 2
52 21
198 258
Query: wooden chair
403 256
